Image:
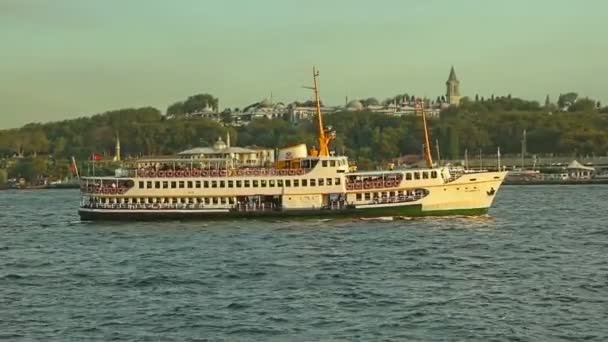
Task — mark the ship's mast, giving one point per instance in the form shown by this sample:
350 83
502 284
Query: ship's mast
427 144
325 137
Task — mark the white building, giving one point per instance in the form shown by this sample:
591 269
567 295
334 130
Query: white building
223 151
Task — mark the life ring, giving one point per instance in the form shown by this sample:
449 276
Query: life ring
291 172
152 174
300 171
113 190
186 173
378 184
263 172
388 184
205 173
283 172
161 173
196 173
247 172
213 173
367 185
349 186
122 190
169 173
223 173
256 172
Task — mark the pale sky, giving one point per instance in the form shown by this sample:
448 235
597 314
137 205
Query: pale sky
67 58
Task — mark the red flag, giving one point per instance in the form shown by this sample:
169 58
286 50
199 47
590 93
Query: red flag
96 157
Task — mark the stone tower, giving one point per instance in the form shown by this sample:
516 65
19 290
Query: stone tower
453 89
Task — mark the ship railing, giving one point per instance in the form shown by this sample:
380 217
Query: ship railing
256 207
204 173
159 206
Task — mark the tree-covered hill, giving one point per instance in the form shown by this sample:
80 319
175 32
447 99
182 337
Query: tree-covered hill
371 137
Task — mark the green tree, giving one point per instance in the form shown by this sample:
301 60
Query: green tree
198 102
583 105
566 100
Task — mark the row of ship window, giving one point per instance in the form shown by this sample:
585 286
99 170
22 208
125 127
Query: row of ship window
255 183
424 174
367 196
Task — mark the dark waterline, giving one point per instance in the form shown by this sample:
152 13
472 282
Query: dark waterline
536 269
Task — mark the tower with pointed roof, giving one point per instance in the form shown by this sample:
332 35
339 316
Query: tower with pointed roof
453 89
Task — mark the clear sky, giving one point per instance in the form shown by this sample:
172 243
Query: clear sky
67 58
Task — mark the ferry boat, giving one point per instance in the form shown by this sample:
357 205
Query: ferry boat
299 183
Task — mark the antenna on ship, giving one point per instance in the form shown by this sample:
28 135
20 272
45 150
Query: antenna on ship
326 135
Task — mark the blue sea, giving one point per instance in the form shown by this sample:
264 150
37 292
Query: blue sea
534 269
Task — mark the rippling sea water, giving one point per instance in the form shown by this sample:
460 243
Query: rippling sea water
535 269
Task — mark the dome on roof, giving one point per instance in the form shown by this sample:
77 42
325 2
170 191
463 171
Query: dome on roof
354 105
219 144
265 103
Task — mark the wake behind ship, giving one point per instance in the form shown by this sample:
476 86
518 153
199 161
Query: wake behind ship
233 182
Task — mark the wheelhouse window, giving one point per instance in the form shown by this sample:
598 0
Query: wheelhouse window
408 176
337 181
287 183
181 184
206 185
157 185
324 163
190 185
313 182
304 182
149 185
328 181
165 185
197 184
368 196
321 182
425 175
279 182
239 184
247 183
231 184
433 174
416 175
359 197
173 185
214 184
255 183
296 182
263 183
271 183
222 184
